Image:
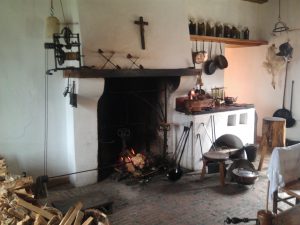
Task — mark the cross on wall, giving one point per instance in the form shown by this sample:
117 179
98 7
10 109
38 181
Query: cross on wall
142 23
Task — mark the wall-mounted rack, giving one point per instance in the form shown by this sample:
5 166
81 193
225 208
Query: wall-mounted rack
230 42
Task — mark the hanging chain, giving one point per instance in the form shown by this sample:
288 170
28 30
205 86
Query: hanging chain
279 18
62 9
51 8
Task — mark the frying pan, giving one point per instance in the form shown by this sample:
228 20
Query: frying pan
220 60
176 173
210 65
284 113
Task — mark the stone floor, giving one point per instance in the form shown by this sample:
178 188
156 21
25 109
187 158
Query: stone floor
188 201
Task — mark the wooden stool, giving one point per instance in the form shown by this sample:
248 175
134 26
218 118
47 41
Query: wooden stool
273 135
218 157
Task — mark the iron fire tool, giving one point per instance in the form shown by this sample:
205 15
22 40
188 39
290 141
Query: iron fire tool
176 173
235 220
130 57
73 96
41 190
108 59
67 89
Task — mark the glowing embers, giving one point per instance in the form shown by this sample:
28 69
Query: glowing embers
139 167
132 162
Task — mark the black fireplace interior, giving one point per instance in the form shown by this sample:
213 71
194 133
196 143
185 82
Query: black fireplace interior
129 113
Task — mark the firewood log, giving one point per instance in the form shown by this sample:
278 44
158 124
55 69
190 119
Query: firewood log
72 216
66 217
17 184
16 214
54 221
39 220
88 221
79 218
35 209
26 221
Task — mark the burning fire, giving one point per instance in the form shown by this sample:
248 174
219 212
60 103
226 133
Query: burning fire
134 162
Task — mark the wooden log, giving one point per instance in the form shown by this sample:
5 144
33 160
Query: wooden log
54 221
88 221
273 135
26 221
71 218
35 209
39 220
2 161
16 214
23 192
17 184
66 217
79 218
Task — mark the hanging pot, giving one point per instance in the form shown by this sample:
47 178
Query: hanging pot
210 65
220 60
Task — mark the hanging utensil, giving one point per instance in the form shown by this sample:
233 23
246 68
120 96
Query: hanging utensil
280 26
290 122
283 112
210 66
220 60
196 55
73 96
176 173
67 89
201 56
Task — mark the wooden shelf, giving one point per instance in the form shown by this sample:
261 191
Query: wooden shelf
230 42
129 73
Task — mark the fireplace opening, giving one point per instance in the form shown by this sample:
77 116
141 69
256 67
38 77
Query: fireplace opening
130 112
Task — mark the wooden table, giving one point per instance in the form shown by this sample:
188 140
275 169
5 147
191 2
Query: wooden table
217 157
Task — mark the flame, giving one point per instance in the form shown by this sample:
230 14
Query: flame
132 151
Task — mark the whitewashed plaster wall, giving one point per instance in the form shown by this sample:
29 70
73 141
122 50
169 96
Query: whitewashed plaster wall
22 78
103 24
247 78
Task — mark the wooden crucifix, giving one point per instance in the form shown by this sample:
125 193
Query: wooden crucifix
142 23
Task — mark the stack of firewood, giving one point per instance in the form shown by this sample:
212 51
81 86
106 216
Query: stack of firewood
19 207
3 169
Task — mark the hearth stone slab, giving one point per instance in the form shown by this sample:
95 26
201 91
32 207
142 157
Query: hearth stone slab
96 200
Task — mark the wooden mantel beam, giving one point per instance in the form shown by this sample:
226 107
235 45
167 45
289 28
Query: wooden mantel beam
129 73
